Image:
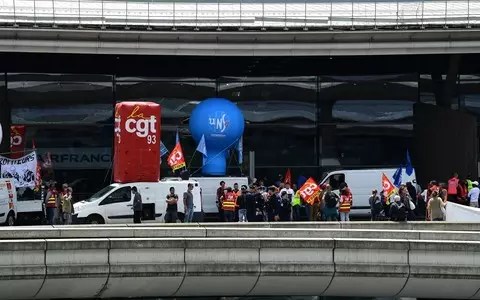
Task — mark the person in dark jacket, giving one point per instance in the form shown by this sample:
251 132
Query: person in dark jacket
250 203
137 206
260 205
405 198
284 207
271 204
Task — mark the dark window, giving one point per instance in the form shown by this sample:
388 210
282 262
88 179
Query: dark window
177 98
39 99
368 99
366 121
433 87
469 93
121 195
335 180
280 115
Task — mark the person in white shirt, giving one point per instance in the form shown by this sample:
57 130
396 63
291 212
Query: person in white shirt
473 194
287 189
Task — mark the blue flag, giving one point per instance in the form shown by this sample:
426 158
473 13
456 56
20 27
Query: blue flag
409 165
397 177
240 150
202 147
163 149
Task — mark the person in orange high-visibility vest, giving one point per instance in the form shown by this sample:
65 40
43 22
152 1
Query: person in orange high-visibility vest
345 204
452 188
229 205
51 202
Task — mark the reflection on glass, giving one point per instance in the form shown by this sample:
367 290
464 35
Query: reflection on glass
433 87
60 98
469 93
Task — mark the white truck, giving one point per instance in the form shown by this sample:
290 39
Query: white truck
30 206
114 203
209 191
361 183
8 202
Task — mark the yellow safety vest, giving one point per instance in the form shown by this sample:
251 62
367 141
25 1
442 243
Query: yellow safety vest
296 199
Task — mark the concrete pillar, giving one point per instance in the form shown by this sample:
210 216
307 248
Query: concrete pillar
444 89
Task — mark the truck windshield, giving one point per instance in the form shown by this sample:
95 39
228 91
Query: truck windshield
100 193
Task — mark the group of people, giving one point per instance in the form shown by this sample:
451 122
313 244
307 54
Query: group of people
409 199
258 203
58 203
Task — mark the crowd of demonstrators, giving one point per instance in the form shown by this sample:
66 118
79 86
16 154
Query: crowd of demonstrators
280 202
58 203
409 202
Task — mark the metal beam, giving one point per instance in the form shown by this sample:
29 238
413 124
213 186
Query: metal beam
334 43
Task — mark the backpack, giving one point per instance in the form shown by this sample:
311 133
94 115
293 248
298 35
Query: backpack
330 200
399 212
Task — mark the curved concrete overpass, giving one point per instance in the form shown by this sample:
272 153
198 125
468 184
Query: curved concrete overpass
240 43
162 261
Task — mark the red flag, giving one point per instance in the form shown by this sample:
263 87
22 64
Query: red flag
309 191
388 188
176 160
288 177
17 141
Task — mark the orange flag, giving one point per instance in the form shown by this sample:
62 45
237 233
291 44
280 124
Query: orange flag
388 188
309 191
176 160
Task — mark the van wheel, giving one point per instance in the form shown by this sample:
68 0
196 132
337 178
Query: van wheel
95 220
10 219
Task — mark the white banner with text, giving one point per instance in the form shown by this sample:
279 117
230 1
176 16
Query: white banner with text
21 170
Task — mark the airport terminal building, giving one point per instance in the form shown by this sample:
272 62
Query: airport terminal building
310 113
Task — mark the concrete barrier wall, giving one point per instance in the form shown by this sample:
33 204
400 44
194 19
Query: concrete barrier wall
429 231
166 267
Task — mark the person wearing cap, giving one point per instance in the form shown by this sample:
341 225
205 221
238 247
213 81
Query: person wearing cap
51 202
397 209
473 194
67 206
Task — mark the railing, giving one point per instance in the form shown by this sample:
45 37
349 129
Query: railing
237 14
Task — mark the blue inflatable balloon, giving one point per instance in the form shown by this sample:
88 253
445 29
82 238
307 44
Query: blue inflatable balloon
222 124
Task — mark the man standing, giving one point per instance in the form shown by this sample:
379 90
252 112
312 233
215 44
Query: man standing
137 206
188 204
229 205
242 205
51 200
452 188
172 208
473 194
220 194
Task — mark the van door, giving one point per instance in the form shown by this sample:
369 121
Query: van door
118 206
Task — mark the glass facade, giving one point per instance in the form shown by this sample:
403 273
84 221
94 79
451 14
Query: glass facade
311 124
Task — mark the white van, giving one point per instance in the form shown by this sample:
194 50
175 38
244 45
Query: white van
361 183
8 202
114 203
209 190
